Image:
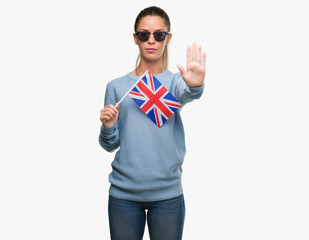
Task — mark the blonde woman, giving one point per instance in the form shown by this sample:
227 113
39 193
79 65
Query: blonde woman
147 168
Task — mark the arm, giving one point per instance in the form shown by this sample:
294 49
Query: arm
109 134
109 138
185 94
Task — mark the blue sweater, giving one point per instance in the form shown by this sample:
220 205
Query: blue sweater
148 163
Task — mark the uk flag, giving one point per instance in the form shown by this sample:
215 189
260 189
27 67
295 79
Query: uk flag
154 99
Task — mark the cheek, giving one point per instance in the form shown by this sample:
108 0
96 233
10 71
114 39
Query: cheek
162 47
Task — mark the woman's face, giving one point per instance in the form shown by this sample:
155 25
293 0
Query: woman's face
152 50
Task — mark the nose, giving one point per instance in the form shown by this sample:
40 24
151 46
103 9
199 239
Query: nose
151 38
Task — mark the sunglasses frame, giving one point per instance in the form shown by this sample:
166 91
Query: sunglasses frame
154 35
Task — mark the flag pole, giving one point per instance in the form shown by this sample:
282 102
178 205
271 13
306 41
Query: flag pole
117 104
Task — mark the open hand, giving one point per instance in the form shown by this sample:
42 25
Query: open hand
194 75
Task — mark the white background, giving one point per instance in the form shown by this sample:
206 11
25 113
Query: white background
246 168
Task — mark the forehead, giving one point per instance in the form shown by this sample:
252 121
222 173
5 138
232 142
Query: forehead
151 23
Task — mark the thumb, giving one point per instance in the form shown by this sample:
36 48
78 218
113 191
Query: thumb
181 69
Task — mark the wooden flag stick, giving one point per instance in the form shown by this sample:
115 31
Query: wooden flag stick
131 88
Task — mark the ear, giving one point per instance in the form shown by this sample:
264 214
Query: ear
169 36
135 39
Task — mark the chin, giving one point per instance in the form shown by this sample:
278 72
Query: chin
151 58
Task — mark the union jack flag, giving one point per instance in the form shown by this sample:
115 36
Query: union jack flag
154 99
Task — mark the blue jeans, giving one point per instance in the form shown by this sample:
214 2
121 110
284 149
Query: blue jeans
165 219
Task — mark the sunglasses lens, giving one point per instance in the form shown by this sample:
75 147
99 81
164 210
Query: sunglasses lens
160 36
143 36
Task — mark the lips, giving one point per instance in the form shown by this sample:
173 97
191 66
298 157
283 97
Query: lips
151 49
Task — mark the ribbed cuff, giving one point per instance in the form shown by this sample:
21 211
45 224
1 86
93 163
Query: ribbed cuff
196 89
109 130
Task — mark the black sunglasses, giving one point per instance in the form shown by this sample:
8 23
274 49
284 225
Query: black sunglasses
158 36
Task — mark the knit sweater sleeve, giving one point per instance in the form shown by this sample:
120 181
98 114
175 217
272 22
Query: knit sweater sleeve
109 137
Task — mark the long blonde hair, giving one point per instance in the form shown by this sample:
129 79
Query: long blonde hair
154 11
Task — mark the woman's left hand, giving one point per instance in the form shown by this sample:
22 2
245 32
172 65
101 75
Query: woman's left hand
195 74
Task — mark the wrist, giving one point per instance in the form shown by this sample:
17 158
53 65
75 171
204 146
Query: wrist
195 85
107 124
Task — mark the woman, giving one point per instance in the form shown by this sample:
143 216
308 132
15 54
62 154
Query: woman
147 168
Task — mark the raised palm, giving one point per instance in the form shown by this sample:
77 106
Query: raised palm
194 74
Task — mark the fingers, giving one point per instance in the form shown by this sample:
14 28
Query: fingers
109 112
196 60
181 69
194 52
199 54
204 59
189 54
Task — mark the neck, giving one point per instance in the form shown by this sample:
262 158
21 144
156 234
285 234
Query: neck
154 67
